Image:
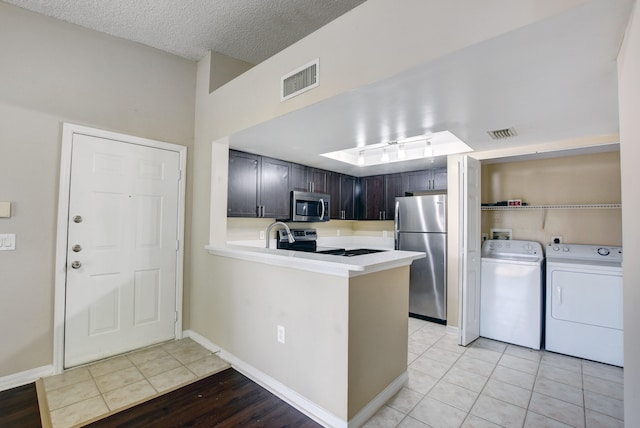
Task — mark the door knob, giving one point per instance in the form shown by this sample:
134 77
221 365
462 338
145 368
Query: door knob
77 219
76 264
76 248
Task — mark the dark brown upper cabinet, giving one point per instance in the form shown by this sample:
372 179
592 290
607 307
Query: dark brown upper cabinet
379 193
309 179
258 186
424 180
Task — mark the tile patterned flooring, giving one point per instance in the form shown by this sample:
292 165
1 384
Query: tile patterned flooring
493 384
83 393
488 384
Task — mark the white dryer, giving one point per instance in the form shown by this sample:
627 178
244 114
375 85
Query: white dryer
584 302
511 292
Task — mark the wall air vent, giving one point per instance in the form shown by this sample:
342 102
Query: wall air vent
501 134
300 80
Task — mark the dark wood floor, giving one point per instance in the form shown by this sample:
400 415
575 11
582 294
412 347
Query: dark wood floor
19 407
226 399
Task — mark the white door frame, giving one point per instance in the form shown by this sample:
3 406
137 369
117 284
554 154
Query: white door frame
68 131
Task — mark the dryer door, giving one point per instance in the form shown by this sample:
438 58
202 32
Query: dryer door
587 297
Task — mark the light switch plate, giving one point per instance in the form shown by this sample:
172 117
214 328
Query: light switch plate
5 209
8 242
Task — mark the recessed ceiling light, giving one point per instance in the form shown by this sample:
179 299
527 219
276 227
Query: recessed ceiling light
403 149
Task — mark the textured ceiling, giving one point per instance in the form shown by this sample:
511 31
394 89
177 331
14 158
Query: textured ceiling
554 80
249 30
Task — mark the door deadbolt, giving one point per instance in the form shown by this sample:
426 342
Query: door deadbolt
76 248
76 264
77 219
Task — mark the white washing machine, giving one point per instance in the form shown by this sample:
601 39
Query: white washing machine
511 292
584 302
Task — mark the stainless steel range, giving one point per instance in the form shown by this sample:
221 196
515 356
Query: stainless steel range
306 240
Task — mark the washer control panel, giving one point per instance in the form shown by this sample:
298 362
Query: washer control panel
585 252
500 247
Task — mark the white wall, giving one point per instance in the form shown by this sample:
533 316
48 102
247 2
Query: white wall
224 69
582 179
53 72
362 47
629 107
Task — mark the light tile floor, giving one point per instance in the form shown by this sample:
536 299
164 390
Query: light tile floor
488 384
493 384
84 393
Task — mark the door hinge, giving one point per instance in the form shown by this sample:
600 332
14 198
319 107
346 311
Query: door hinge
177 245
175 317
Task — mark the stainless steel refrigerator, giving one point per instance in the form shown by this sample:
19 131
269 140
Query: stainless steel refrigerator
421 225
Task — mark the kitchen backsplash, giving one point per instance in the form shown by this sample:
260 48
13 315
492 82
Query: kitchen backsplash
241 229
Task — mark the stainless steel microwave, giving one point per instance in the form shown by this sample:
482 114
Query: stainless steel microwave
309 207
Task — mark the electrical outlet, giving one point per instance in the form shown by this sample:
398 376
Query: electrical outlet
280 334
556 239
262 234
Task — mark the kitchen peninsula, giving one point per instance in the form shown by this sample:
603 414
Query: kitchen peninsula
327 333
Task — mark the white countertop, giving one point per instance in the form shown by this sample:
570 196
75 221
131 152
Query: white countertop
323 263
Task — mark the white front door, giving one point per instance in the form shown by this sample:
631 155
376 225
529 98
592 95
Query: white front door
470 244
121 248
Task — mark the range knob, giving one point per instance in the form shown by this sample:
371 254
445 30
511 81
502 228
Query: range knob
603 251
556 248
565 249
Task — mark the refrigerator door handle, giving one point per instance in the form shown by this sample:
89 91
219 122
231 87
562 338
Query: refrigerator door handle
397 224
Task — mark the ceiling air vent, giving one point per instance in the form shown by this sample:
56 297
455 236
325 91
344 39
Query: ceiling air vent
300 80
500 134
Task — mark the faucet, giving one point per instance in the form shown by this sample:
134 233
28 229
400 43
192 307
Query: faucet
278 223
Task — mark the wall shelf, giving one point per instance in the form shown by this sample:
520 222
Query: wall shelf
552 207
545 208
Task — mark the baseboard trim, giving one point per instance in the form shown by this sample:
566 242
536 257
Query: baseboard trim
451 330
374 405
309 408
201 340
25 377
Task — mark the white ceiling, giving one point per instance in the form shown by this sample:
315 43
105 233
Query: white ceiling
551 81
250 30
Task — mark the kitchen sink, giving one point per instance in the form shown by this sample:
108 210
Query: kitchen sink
350 253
